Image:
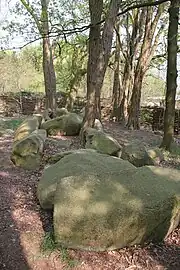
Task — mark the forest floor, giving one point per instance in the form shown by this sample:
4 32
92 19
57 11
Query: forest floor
25 227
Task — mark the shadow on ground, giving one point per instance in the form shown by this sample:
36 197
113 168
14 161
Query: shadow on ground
18 193
11 252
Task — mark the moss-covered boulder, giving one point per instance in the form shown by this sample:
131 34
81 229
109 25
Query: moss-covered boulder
53 126
88 160
55 158
69 124
105 203
102 142
61 111
47 115
139 155
27 153
72 124
27 127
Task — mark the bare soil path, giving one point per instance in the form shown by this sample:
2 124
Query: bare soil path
23 224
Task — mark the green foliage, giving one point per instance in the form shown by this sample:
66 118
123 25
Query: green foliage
152 87
66 258
48 246
71 65
18 72
33 54
10 123
62 15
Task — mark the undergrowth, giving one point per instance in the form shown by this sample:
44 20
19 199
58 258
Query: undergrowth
10 123
48 246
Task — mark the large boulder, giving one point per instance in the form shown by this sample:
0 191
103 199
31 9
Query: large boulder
27 127
102 142
53 126
47 115
61 111
27 153
88 161
139 155
56 157
72 124
105 203
69 124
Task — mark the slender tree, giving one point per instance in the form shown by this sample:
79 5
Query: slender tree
100 42
42 25
130 55
171 75
149 45
116 82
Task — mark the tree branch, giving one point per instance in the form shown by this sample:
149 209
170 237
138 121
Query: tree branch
31 12
79 29
164 55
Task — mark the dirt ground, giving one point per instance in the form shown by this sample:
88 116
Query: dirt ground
23 224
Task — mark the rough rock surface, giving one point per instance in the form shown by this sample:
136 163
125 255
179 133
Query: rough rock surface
61 111
139 155
73 163
102 142
69 124
105 203
27 127
27 153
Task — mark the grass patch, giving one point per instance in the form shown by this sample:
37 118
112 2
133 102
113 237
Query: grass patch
65 257
48 246
172 157
175 150
10 123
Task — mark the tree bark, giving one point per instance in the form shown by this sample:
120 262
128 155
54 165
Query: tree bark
99 53
132 49
171 75
150 42
116 82
134 108
48 66
93 62
105 51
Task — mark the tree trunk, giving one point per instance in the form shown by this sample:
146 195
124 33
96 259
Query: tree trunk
171 75
116 83
150 42
105 51
49 76
42 24
48 66
123 107
134 108
132 48
99 53
92 66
